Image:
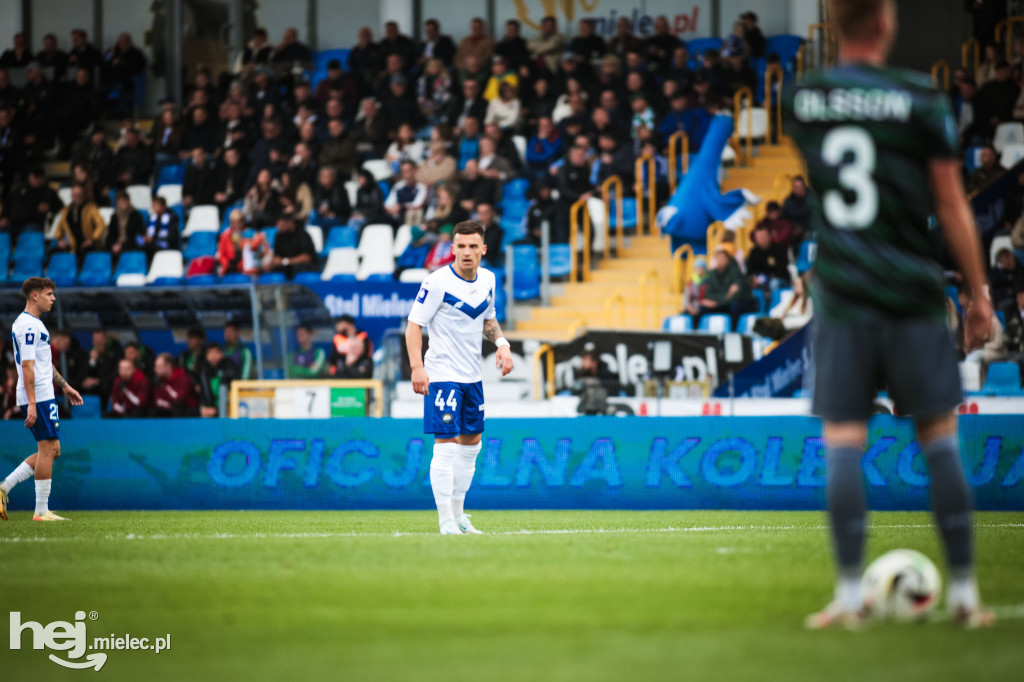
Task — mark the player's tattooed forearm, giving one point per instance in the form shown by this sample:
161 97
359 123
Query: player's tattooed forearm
59 380
492 330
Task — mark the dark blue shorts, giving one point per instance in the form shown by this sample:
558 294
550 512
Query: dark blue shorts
451 409
47 420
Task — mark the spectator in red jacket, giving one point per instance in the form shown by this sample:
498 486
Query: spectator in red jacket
130 397
782 231
175 394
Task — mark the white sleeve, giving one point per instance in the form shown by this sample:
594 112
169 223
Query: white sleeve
421 196
26 340
427 302
492 312
392 199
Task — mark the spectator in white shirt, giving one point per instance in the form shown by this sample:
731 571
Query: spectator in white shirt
408 197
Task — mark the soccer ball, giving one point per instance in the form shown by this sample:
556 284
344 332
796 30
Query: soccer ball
901 585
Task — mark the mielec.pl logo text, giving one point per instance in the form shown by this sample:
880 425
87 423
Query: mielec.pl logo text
72 638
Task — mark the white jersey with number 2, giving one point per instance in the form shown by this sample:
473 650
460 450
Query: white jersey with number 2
454 310
32 342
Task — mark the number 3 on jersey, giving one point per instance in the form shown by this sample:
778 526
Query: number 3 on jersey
440 402
855 176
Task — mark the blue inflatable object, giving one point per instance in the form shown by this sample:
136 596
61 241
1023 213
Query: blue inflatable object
698 201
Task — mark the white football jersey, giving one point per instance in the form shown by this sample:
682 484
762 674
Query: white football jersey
32 342
454 310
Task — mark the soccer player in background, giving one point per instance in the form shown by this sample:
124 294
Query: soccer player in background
881 151
36 377
456 303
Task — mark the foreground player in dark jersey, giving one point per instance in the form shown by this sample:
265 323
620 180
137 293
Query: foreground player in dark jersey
881 151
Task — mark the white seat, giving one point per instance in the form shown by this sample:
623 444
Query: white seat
402 240
203 218
680 323
172 193
998 244
141 196
51 229
758 123
598 224
376 238
340 261
1007 133
106 213
717 323
65 195
375 266
132 279
316 233
352 187
520 142
1011 155
168 263
380 169
413 275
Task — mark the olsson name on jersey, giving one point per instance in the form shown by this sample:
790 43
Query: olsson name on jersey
841 104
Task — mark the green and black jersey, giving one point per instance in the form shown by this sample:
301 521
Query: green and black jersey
867 134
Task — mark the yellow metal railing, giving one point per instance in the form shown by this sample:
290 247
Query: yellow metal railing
941 67
650 276
682 270
613 181
678 138
538 375
773 75
716 231
574 221
652 201
737 100
608 304
972 66
801 55
578 325
829 36
1004 34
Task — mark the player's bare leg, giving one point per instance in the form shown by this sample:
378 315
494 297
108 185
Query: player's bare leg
464 468
22 472
49 450
951 505
847 511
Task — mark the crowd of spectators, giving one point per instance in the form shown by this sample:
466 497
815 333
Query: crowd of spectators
131 380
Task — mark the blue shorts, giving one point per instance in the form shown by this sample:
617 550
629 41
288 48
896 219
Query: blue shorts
47 420
451 409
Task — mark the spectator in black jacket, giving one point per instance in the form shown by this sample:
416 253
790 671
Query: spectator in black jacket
125 231
96 156
202 133
51 56
199 185
193 358
103 358
290 50
68 350
18 55
616 158
573 185
661 45
293 249
395 43
216 373
80 107
435 45
587 45
767 262
475 189
752 35
470 105
229 179
30 206
356 363
83 55
399 106
493 235
542 208
330 200
121 64
362 61
39 104
369 208
133 162
512 47
795 208
257 52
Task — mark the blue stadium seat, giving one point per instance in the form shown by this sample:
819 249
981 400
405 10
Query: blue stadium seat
746 323
272 278
62 269
777 297
201 244
171 174
308 278
131 263
91 408
25 266
628 212
235 279
5 244
699 46
806 255
343 277
30 243
716 324
340 238
526 273
515 189
201 280
514 208
166 282
678 324
514 229
225 221
385 188
95 270
786 47
560 260
271 234
1003 379
381 277
762 305
321 58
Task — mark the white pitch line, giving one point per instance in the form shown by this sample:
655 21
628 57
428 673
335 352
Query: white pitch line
542 531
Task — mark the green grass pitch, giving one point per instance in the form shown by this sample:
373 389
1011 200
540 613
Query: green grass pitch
546 595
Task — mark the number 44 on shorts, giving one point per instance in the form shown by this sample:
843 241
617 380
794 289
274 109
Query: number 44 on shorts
440 402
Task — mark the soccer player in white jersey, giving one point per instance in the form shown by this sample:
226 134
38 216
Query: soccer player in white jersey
36 377
456 303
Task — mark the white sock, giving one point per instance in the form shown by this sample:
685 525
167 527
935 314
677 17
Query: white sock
22 473
465 467
442 478
42 496
848 593
963 593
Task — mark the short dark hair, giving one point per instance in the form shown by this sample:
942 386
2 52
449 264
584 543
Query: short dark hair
773 206
34 284
513 22
232 323
432 22
133 344
468 227
197 333
161 200
852 18
550 18
261 32
306 326
168 358
345 318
